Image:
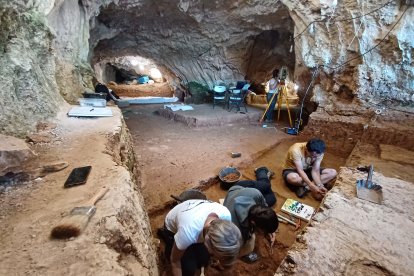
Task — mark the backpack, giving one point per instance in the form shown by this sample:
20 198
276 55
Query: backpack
101 88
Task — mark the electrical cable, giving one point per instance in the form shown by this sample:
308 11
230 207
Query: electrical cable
315 73
341 20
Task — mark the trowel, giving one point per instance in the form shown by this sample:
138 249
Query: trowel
368 190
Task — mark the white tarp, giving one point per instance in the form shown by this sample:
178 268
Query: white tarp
149 100
88 111
176 107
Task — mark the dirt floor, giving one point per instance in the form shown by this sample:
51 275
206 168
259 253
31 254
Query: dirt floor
116 241
186 149
174 156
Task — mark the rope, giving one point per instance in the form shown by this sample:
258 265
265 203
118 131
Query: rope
341 20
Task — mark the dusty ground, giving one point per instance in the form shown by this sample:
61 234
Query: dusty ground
174 156
362 238
117 240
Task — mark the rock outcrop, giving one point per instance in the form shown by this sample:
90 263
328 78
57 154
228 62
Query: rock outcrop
364 51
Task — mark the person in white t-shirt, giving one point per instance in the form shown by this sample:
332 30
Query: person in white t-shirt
201 228
273 82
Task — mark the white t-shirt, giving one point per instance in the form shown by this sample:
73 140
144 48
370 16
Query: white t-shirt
187 220
272 85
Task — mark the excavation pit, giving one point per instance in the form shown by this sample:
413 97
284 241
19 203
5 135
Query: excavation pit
193 157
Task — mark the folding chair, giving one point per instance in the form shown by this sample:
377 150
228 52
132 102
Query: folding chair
237 96
219 95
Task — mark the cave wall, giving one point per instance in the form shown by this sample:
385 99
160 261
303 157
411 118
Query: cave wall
47 48
381 31
28 88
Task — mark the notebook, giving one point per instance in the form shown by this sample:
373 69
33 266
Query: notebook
298 209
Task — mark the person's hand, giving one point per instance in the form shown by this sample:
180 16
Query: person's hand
323 189
318 192
272 238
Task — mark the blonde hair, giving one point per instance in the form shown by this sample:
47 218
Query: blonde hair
223 240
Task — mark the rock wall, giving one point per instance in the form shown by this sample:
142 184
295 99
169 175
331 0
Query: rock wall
48 48
28 87
364 50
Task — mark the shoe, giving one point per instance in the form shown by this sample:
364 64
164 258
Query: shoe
260 168
268 172
250 258
302 191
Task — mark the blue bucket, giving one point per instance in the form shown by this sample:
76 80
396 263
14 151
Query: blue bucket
143 79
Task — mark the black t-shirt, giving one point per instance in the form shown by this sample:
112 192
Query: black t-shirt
101 88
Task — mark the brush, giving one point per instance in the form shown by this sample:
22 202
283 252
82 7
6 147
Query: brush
73 224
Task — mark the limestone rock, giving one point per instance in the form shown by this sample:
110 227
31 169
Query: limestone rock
13 152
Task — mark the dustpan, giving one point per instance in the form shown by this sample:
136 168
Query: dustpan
368 190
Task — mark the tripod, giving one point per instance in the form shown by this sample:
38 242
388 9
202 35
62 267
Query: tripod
283 94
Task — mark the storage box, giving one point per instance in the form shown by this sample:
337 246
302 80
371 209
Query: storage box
92 102
143 79
94 95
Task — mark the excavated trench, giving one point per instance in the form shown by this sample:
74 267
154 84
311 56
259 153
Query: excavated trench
271 157
286 235
192 156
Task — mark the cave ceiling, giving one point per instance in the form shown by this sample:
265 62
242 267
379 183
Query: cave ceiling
221 32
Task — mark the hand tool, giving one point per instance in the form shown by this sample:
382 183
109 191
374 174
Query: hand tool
72 225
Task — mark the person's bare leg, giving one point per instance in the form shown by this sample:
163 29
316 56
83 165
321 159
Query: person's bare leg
248 246
327 175
295 180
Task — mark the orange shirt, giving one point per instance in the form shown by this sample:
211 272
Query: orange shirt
297 152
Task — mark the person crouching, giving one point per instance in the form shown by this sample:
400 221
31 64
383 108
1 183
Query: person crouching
200 229
249 211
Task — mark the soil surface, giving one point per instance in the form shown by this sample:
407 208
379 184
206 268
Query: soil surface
175 151
174 157
116 240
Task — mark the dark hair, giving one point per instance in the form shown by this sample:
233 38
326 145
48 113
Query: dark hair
275 73
316 145
264 218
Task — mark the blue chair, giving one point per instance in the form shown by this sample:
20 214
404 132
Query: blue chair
219 95
237 96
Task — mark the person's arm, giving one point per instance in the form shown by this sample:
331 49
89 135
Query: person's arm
272 237
175 258
302 174
316 174
314 188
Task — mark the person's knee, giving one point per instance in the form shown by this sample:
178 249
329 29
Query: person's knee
331 174
294 179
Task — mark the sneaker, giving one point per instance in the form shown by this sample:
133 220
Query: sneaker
261 168
301 191
250 258
270 174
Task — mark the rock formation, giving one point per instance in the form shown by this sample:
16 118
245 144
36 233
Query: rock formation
364 51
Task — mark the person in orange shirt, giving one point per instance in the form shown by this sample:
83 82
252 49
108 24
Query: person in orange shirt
302 170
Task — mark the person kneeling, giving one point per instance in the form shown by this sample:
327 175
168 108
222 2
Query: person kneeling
196 229
249 211
302 170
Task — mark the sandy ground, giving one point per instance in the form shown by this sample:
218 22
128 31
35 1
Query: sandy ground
117 240
174 153
174 156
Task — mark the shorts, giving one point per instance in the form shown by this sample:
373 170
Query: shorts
308 172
